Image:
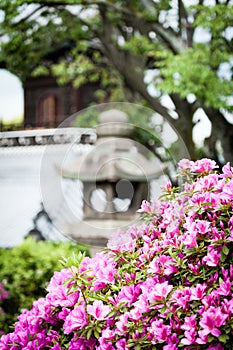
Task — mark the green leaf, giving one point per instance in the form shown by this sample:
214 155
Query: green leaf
223 338
96 334
225 250
89 333
222 257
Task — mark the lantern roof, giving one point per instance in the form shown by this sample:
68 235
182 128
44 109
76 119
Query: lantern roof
114 156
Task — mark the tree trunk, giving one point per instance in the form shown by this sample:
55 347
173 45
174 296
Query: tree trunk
184 124
220 143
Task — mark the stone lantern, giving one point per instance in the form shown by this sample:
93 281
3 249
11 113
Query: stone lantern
116 177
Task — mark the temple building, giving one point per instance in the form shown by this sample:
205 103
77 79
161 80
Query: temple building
47 104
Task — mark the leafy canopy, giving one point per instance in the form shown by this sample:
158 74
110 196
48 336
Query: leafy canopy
137 51
159 36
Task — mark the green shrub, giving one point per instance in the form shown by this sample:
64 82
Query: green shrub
25 271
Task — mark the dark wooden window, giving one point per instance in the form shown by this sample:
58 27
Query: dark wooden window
47 111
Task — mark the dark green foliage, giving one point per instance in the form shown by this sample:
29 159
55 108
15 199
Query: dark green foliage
25 271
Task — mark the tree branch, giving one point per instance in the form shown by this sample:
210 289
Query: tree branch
22 20
125 62
28 16
182 15
221 131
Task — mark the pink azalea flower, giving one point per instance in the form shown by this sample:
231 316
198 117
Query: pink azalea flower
98 310
58 291
202 226
107 333
154 266
198 292
61 297
168 186
190 240
160 291
59 278
194 268
189 323
135 231
104 345
227 171
172 342
209 300
136 313
190 333
203 337
212 258
227 307
121 241
101 268
215 347
56 347
169 215
216 234
207 182
225 288
63 313
145 207
162 264
121 324
185 164
121 345
203 165
182 297
159 331
211 320
190 337
201 199
77 319
227 192
140 306
82 344
129 294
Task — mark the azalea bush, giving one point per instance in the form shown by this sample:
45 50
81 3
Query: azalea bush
25 271
3 296
166 284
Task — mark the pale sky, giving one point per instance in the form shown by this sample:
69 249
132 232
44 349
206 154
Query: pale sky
11 96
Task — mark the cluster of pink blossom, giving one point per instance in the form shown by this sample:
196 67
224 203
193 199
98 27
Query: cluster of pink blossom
3 295
3 292
167 284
